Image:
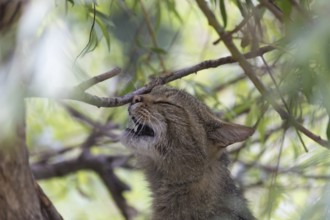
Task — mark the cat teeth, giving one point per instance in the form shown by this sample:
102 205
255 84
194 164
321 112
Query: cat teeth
135 128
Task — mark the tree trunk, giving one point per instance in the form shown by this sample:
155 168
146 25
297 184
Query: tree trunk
18 197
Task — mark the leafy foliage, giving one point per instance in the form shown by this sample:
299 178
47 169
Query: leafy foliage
282 169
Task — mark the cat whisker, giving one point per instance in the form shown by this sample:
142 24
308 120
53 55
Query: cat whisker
141 124
156 125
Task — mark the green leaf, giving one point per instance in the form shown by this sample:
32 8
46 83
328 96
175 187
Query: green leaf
105 32
71 1
158 15
328 130
171 7
105 18
275 196
240 7
158 50
286 7
223 12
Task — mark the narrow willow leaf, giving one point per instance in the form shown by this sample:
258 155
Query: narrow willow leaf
286 7
158 50
223 12
240 7
158 15
171 7
105 18
328 130
105 32
71 1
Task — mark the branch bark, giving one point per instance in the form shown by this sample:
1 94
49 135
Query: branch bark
79 95
102 165
248 70
97 79
46 171
20 196
20 199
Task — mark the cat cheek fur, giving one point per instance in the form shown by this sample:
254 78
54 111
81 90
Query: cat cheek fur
185 161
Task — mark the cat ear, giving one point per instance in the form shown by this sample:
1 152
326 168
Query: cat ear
225 133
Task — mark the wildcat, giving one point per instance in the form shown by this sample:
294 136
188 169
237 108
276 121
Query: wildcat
180 145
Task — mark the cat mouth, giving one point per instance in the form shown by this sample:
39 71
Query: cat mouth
140 129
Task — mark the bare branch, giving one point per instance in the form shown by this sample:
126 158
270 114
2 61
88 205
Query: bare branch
116 188
311 135
102 165
248 70
282 170
97 79
274 9
118 101
90 162
226 38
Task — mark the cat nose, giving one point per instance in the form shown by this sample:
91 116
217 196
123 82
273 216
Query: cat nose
137 99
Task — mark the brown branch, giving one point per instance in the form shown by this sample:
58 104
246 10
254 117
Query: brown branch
230 82
310 134
282 170
246 66
97 79
118 101
46 170
274 9
18 196
47 207
101 164
226 38
44 156
237 28
248 70
116 189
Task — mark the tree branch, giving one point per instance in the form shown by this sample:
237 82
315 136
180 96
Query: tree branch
289 171
79 95
274 9
102 165
248 70
46 170
97 79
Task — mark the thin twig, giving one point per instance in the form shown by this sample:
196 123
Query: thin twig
248 70
97 79
102 165
274 9
230 82
79 95
237 28
283 170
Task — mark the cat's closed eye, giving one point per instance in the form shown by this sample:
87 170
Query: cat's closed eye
178 141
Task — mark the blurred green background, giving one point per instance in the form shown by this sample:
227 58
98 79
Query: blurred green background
58 44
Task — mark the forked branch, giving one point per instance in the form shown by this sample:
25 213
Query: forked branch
248 70
79 94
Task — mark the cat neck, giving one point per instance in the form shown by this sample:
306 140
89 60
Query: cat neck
210 195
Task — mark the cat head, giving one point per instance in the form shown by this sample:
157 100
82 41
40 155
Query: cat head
172 125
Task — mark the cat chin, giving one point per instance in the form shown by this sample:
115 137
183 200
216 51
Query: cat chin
141 145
